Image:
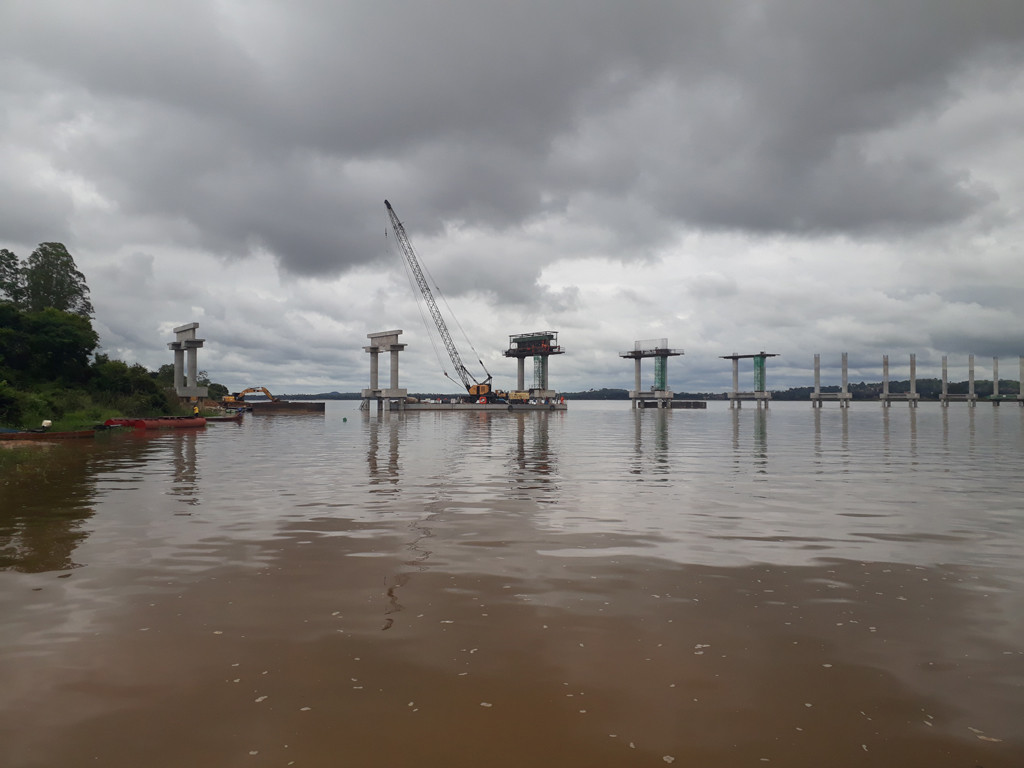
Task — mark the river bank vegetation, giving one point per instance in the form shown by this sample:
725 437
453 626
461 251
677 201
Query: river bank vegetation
50 366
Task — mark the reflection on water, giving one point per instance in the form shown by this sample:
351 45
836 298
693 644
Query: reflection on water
650 442
382 473
598 587
186 472
532 467
750 439
45 496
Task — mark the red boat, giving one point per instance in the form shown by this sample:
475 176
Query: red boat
162 422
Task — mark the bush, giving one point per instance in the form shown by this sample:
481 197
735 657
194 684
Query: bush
12 406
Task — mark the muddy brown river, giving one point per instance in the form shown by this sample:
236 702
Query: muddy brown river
600 587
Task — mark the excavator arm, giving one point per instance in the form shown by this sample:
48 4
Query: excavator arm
239 397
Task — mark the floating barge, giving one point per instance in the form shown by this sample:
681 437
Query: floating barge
691 405
285 406
163 422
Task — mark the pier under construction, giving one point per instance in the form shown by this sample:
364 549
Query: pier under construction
659 395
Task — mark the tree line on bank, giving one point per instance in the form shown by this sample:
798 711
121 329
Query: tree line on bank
49 364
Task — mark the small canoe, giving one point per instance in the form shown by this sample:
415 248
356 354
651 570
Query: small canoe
163 422
47 435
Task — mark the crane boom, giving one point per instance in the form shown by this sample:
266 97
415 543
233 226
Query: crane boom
472 386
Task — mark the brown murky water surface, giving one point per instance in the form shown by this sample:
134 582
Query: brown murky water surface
599 587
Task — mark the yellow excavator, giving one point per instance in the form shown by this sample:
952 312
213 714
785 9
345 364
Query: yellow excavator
238 398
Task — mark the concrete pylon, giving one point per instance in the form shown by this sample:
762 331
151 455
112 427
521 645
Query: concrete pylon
384 341
186 366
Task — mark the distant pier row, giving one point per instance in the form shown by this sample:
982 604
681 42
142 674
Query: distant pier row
843 395
760 395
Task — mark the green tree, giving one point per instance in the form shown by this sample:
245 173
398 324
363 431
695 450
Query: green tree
131 387
52 279
60 345
44 346
11 278
215 390
165 375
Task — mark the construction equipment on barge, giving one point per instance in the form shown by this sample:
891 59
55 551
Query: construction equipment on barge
479 389
272 404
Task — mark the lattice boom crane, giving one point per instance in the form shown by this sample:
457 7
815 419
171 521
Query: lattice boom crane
482 389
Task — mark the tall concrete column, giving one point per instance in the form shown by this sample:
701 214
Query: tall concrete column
394 368
179 368
636 374
846 378
374 368
885 381
913 380
735 402
970 378
191 367
995 376
520 373
944 397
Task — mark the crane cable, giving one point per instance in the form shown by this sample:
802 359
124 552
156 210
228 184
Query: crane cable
452 315
427 276
419 306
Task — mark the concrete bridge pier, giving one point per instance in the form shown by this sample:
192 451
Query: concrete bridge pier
843 396
394 396
186 367
910 397
760 395
659 395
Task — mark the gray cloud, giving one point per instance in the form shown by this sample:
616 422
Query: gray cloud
514 137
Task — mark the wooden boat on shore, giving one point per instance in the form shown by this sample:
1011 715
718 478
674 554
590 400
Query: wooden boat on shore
162 422
42 435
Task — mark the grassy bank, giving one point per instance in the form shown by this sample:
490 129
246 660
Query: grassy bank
72 409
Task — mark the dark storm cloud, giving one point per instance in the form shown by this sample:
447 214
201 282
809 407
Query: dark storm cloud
282 128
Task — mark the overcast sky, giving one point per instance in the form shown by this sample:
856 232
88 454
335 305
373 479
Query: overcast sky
780 175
